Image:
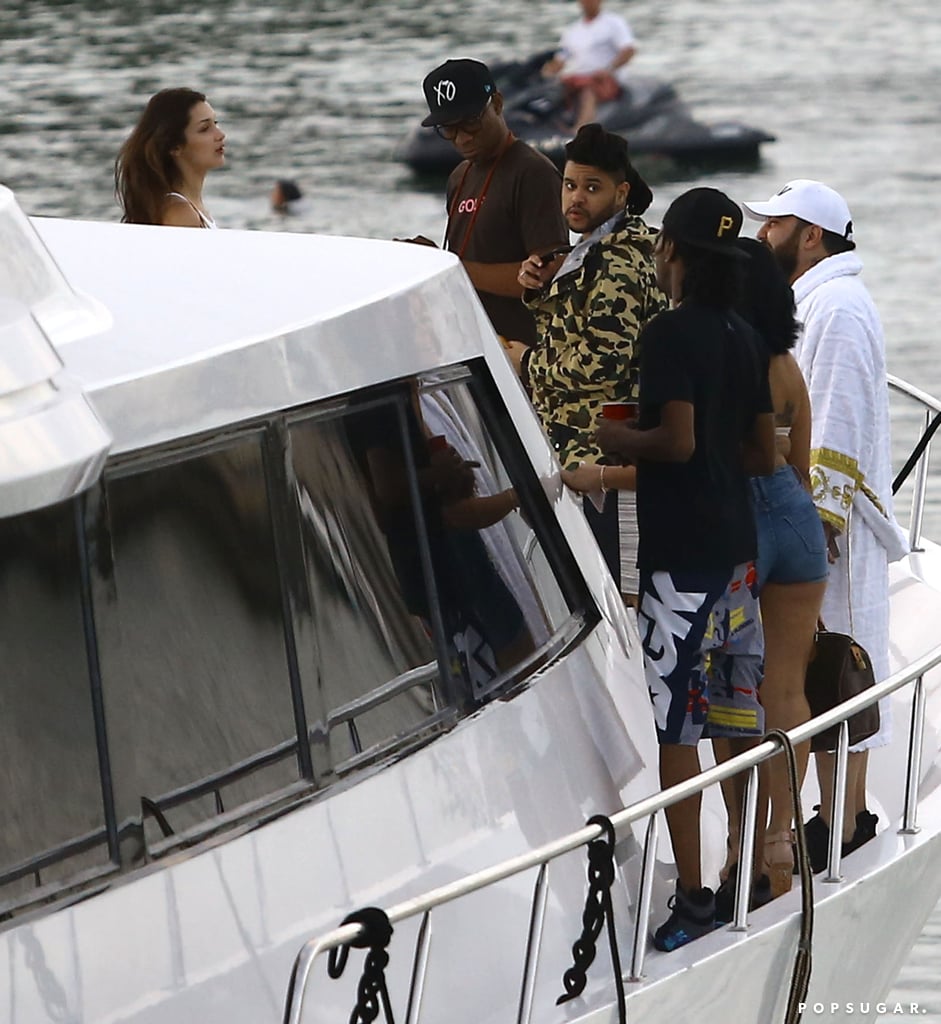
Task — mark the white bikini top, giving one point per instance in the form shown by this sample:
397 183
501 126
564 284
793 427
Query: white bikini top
207 222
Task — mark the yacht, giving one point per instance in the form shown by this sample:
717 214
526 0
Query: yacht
299 621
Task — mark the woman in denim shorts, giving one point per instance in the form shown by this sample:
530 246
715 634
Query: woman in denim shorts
792 551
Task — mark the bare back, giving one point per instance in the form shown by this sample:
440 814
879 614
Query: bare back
791 413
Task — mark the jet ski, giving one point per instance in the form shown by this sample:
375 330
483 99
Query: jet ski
649 113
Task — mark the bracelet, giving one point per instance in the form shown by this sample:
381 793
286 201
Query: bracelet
604 490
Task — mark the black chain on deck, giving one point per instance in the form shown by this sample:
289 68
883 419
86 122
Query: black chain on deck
599 911
371 991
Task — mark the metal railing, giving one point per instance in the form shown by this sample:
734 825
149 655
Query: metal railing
919 458
648 808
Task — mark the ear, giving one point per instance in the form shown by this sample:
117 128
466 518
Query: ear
814 236
497 102
622 192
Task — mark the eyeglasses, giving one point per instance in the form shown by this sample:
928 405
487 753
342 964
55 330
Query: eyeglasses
470 126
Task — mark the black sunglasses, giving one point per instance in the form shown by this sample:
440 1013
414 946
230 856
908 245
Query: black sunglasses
469 126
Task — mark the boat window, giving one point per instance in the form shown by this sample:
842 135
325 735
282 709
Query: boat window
191 637
52 790
229 622
366 662
428 590
470 419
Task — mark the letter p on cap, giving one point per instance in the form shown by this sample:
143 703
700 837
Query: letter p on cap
725 224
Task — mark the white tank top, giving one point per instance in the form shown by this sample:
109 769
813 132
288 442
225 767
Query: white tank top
206 222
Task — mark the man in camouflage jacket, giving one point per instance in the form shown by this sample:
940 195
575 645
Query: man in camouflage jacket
588 318
589 309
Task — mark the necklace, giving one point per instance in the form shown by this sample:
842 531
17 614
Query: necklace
507 142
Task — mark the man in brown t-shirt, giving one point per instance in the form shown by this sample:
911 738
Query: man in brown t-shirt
503 199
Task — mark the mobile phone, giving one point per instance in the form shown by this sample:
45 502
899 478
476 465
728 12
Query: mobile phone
562 250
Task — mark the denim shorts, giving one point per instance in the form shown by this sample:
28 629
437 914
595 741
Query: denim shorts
791 543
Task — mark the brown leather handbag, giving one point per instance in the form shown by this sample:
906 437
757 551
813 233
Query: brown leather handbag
839 668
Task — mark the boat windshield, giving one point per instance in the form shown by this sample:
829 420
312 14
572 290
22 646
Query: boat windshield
232 621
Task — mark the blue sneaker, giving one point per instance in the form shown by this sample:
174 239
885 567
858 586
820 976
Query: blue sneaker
693 915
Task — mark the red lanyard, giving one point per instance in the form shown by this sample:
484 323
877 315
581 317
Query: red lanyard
510 139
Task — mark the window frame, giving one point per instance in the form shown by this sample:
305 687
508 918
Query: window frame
315 774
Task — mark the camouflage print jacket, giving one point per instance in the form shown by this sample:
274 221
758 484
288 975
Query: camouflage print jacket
588 320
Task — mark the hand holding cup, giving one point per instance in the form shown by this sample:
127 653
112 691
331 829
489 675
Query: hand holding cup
625 412
617 420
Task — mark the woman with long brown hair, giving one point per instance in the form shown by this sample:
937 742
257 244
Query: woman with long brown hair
160 170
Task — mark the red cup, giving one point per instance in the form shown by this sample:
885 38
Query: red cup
438 443
626 411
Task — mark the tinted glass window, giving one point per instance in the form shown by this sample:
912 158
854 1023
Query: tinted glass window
192 632
359 645
521 557
401 587
358 575
48 756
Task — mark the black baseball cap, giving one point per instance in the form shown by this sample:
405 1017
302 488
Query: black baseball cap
457 90
706 218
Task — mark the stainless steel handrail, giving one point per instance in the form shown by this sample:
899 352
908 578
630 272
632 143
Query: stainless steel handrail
919 494
904 388
645 808
651 806
920 491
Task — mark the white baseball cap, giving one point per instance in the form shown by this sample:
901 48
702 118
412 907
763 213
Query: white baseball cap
813 202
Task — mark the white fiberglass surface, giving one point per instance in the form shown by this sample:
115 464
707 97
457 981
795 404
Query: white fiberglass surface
213 937
178 293
256 321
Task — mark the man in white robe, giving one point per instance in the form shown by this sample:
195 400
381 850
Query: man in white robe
841 353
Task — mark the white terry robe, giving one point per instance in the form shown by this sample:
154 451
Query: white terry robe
841 352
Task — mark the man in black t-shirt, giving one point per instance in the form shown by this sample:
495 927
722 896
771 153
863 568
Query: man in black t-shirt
503 199
705 426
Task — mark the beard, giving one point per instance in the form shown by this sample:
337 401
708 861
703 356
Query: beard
786 252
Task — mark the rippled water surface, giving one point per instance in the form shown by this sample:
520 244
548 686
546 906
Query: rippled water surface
322 92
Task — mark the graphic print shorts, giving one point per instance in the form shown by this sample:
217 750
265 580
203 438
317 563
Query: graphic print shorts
703 652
